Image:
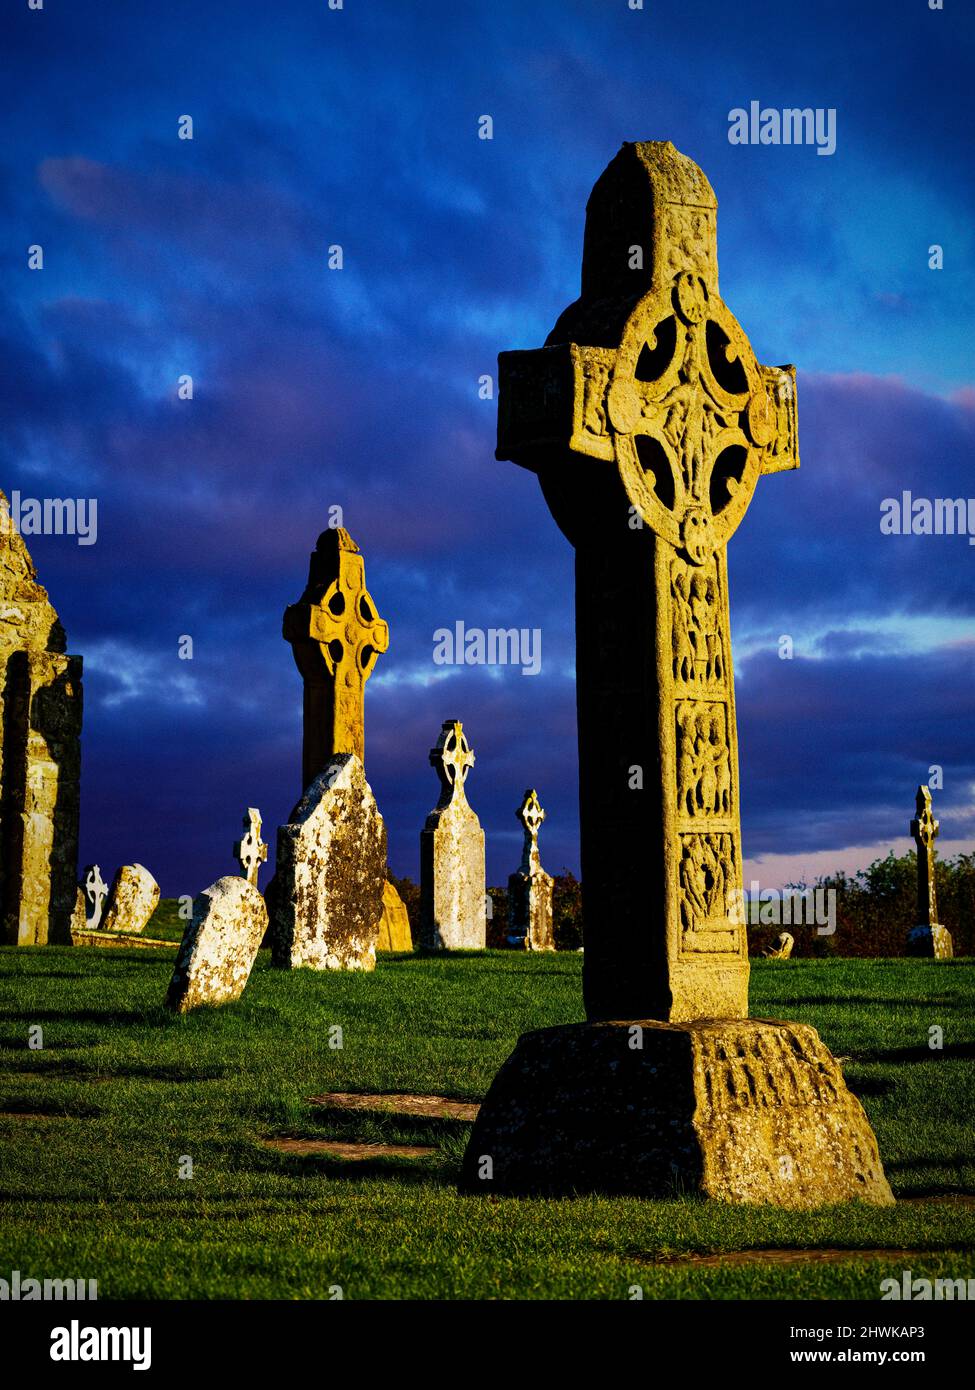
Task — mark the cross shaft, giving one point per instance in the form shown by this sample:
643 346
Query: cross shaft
648 421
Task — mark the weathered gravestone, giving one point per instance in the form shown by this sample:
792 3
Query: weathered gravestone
250 851
219 946
331 856
394 925
452 874
927 937
530 887
132 899
649 421
78 916
96 891
40 755
331 867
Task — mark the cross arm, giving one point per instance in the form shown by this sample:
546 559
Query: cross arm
551 399
557 398
783 454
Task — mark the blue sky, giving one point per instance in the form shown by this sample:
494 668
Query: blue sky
358 388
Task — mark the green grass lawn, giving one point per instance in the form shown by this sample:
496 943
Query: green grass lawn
94 1125
166 924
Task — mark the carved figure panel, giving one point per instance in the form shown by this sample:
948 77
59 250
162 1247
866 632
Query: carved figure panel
707 879
703 759
698 651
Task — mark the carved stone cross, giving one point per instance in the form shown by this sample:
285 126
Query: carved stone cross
530 888
649 421
452 882
924 829
250 851
531 815
96 891
452 759
337 636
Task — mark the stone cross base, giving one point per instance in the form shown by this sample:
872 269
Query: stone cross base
746 1110
530 911
933 942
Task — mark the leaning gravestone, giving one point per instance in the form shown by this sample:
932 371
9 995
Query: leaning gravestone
132 899
530 887
219 946
331 867
927 937
452 873
649 421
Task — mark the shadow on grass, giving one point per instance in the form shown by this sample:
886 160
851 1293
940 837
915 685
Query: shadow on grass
956 1051
410 1172
888 1000
870 1086
162 1072
517 963
416 1126
154 1015
924 1161
29 1107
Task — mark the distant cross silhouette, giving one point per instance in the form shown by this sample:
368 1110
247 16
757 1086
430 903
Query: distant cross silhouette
925 829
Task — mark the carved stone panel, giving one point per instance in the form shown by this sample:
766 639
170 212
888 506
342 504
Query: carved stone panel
708 884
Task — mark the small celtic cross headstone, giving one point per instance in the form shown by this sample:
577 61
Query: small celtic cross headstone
530 887
452 875
531 815
250 851
452 759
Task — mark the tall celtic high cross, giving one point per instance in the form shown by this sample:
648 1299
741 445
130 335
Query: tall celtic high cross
649 420
924 829
337 636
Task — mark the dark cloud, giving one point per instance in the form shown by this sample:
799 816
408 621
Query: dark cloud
359 388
